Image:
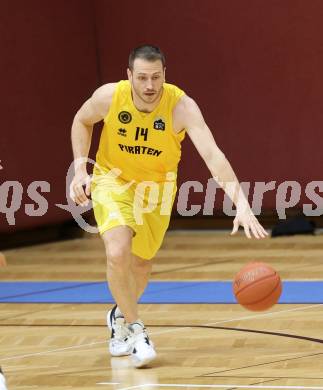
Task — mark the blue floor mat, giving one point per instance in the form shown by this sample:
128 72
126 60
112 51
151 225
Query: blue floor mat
156 292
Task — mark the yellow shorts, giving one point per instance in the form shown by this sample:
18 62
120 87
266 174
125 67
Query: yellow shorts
145 207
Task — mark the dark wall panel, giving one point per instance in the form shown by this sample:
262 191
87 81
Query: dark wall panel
48 68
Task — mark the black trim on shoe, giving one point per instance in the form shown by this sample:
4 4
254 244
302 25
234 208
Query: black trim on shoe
113 312
1 372
111 318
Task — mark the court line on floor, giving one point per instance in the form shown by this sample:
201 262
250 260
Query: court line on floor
242 318
158 333
225 386
52 351
266 314
284 360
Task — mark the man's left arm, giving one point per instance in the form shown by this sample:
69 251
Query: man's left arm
188 115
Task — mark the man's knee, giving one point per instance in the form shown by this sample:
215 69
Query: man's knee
118 248
117 254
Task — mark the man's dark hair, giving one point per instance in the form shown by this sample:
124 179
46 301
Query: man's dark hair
148 53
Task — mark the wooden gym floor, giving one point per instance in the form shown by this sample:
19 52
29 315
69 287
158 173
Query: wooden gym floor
200 346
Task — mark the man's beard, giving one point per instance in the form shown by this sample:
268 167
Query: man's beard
145 98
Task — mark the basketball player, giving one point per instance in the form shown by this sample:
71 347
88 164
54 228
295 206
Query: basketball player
145 121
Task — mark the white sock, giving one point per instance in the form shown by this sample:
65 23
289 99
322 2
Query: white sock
118 313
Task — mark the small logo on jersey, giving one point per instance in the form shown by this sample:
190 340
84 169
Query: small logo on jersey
125 117
122 132
159 124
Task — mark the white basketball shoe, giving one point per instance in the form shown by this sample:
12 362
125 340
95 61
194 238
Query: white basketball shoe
119 344
143 351
2 381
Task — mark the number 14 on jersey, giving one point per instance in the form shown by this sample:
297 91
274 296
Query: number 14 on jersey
141 132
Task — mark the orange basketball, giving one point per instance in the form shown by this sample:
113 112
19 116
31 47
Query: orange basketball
257 286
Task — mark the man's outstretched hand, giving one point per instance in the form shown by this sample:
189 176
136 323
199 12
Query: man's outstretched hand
250 223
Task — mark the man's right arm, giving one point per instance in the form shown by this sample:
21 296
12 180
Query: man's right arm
92 111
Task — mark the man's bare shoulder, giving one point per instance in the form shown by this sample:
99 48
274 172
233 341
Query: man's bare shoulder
184 109
97 106
102 97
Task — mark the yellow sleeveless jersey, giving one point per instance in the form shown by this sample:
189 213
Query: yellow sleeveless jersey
143 146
